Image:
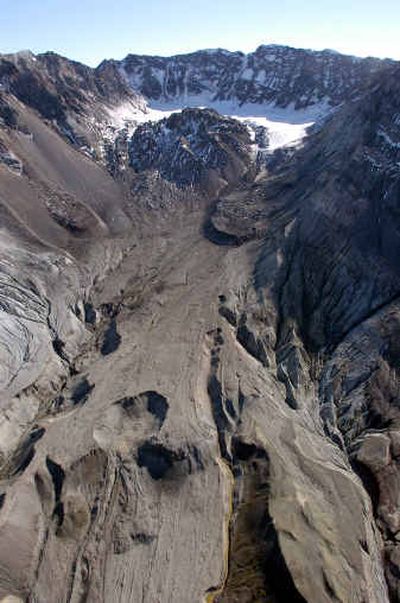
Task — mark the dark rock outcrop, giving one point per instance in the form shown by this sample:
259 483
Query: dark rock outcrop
188 147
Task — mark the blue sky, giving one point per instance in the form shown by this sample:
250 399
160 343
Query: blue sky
90 30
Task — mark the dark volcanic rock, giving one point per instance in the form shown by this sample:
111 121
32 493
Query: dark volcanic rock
185 147
343 202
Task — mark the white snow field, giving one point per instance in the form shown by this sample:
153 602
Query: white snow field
285 126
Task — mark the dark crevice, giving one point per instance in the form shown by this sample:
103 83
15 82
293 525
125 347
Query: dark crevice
111 339
142 538
157 405
242 451
57 474
394 569
58 513
90 313
218 237
81 391
369 482
284 378
159 460
228 314
58 346
277 574
110 309
261 574
127 403
252 344
328 588
25 452
23 460
217 403
35 435
364 546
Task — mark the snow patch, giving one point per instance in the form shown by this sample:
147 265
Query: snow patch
280 134
247 74
127 117
285 126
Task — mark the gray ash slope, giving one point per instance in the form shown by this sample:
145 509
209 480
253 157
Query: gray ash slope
185 420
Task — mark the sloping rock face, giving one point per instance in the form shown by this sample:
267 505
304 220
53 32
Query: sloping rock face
337 287
72 97
200 362
271 74
48 221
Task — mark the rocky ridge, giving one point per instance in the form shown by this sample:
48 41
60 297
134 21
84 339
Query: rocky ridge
271 74
74 98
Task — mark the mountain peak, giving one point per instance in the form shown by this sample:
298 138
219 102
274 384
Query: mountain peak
272 74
